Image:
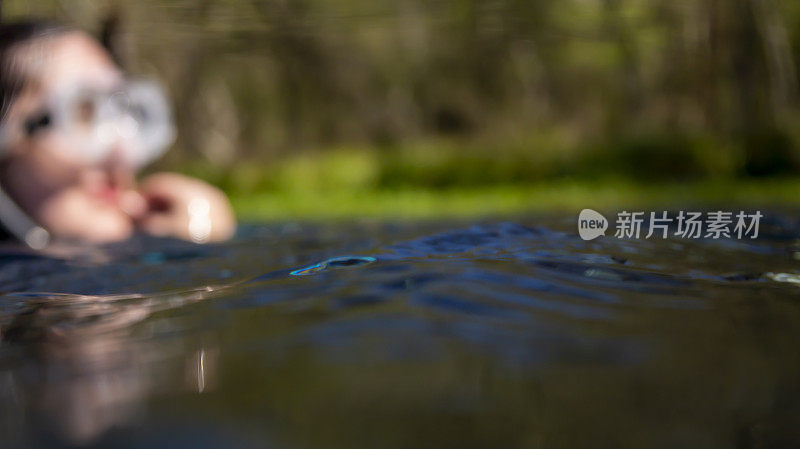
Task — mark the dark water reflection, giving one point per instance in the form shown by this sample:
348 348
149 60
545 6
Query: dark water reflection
513 334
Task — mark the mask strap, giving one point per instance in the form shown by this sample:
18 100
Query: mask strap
13 219
20 225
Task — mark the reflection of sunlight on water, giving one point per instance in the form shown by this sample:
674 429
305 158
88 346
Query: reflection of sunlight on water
202 368
337 262
784 277
201 371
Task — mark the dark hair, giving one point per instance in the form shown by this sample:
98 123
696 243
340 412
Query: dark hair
13 34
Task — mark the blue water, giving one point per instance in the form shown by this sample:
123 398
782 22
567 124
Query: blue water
443 334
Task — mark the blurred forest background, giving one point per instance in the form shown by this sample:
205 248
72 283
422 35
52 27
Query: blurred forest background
301 106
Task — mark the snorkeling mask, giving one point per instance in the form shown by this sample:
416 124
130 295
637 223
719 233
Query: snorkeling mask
134 119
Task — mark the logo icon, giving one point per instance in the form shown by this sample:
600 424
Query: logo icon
591 224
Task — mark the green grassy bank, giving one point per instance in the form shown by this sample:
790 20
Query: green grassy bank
562 196
452 179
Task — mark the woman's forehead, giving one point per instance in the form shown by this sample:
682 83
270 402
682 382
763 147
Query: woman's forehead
75 59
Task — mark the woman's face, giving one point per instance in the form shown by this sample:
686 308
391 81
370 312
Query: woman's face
71 199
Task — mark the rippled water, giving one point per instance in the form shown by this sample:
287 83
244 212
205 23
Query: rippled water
511 334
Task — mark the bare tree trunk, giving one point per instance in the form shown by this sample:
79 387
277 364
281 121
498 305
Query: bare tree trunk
778 52
617 29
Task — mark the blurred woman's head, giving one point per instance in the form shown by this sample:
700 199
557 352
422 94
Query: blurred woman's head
70 171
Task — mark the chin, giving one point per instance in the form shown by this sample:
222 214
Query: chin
86 221
109 232
108 235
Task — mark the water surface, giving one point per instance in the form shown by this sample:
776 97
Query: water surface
496 334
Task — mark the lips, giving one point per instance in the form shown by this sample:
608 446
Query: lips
108 194
107 185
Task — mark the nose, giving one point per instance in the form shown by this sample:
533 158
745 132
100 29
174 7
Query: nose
119 165
124 152
116 156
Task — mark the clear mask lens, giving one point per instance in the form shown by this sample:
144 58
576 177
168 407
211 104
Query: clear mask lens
133 123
